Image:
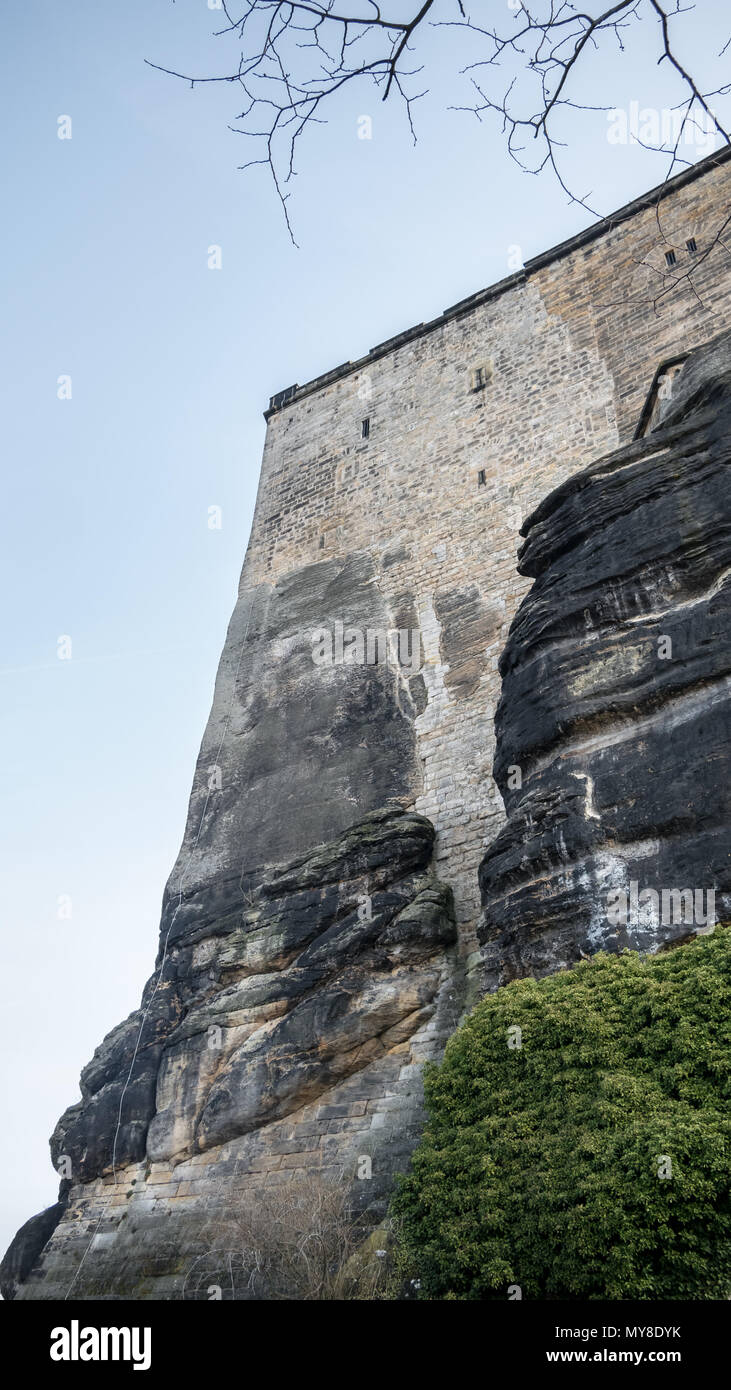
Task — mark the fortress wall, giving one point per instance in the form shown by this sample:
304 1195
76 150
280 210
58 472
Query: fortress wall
570 347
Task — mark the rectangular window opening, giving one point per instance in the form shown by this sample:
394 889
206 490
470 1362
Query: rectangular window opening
692 245
479 377
365 427
481 478
670 258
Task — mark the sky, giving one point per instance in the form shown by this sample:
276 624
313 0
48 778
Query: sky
106 494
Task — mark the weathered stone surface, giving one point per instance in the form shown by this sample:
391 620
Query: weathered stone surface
412 527
23 1251
438 491
333 952
331 970
300 750
468 626
260 1012
615 715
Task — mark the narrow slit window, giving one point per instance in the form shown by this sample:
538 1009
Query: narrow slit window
692 245
479 377
670 258
365 427
481 478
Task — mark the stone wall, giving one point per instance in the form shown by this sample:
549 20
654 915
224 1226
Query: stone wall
568 348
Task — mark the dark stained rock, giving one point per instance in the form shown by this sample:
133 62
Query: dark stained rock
332 955
305 967
26 1246
303 981
467 626
293 752
304 941
288 1031
614 723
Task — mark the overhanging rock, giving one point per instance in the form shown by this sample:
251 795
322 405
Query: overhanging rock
283 1041
614 723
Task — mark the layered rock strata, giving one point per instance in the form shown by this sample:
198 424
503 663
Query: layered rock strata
305 962
614 724
410 524
279 1041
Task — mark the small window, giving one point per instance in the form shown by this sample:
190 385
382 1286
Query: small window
670 258
365 427
479 378
692 245
322 542
481 479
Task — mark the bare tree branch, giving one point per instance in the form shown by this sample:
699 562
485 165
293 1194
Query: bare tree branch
296 58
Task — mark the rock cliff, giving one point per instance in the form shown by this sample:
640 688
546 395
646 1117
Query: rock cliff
307 963
305 966
274 1041
614 723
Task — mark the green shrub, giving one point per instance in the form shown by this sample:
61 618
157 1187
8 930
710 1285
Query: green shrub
539 1165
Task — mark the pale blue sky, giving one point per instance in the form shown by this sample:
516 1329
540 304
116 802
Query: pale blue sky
106 496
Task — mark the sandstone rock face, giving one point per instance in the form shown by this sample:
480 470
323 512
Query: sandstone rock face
614 724
263 1009
25 1248
330 983
293 752
306 965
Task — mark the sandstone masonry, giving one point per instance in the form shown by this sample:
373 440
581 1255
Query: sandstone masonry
567 349
312 920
